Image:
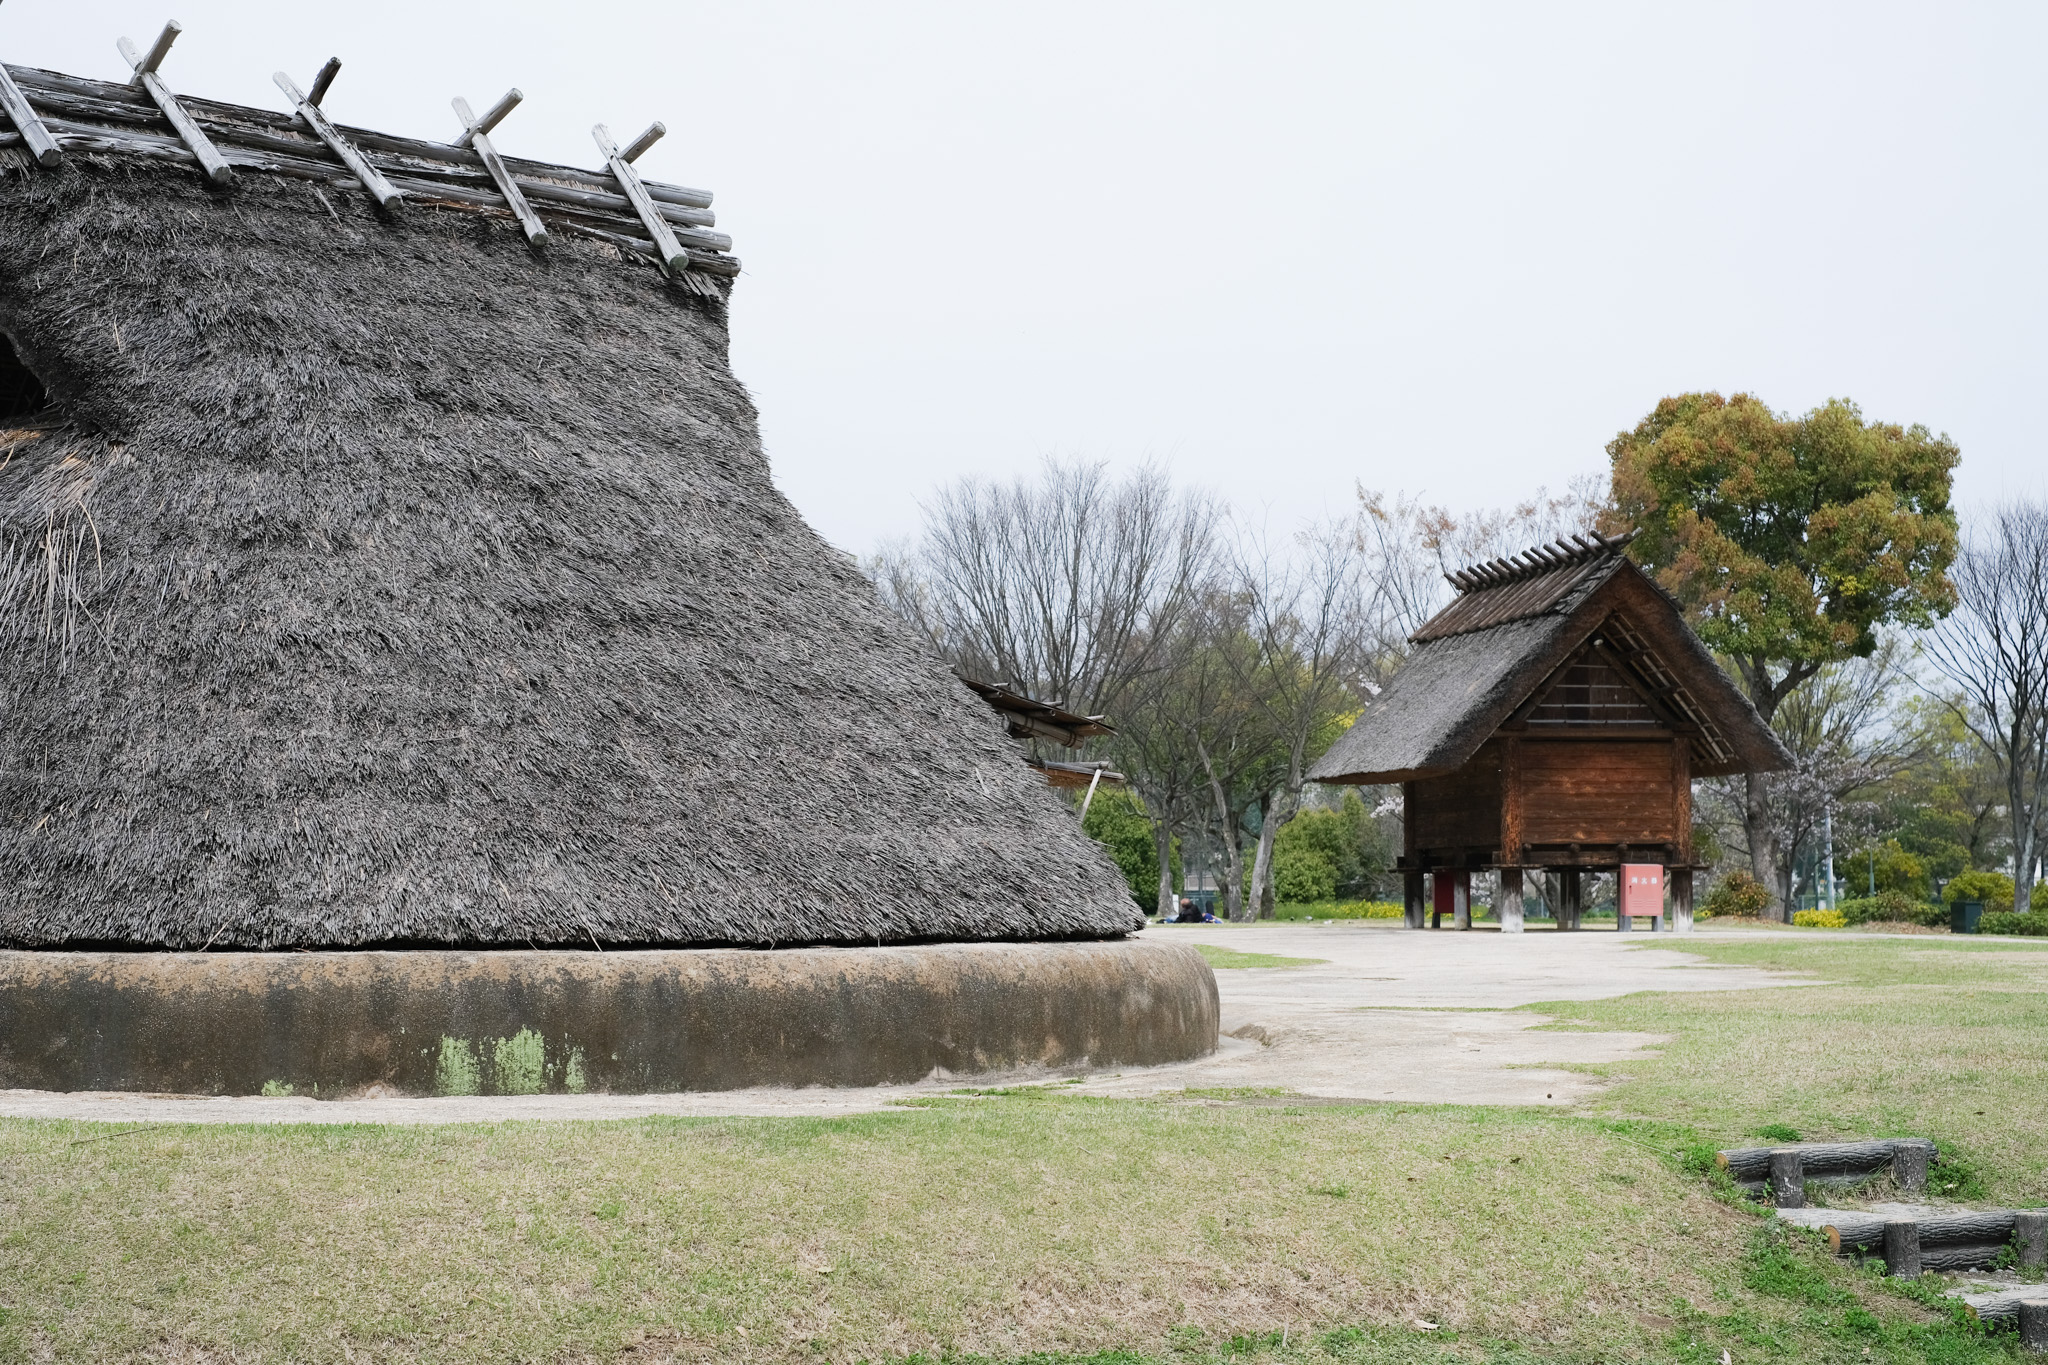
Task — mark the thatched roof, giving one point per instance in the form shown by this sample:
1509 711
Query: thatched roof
381 579
1513 624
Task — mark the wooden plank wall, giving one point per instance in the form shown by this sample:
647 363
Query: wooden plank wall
1461 809
1582 791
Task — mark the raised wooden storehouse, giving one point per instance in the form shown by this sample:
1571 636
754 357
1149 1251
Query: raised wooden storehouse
1552 717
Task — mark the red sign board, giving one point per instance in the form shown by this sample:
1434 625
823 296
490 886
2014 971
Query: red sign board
1642 890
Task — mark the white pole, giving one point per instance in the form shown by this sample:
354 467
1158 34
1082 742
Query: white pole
1827 825
1091 793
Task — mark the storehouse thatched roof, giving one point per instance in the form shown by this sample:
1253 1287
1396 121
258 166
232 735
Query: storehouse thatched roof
1511 626
379 578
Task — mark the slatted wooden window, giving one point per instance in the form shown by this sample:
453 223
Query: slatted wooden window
1593 693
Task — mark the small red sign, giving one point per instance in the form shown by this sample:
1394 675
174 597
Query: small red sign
1642 890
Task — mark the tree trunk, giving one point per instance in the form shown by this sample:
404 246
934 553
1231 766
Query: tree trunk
1226 828
1764 861
1274 811
1233 885
1162 838
2025 830
1767 858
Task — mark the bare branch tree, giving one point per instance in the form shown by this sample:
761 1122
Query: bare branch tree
1068 585
1306 618
1994 648
1409 546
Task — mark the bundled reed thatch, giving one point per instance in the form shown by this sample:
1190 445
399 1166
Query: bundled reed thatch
383 581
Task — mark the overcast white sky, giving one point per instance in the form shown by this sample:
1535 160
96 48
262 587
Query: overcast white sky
1280 248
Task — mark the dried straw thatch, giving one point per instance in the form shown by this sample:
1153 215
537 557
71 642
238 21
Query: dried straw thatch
383 581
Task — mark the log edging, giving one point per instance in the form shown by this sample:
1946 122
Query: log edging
1828 1163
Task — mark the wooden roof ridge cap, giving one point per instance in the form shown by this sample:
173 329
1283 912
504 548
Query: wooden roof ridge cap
1555 590
1538 560
38 80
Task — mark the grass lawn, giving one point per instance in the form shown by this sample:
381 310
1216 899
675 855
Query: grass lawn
1231 957
1038 1221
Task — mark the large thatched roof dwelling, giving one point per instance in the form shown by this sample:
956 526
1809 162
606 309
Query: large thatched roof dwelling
371 576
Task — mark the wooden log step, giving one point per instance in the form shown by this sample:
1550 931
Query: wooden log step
2002 1306
1947 1241
1829 1162
1849 1231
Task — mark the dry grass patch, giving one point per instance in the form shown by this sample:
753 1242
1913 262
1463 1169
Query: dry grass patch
1940 1037
997 1225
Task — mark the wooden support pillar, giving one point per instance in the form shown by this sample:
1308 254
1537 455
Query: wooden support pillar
1788 1178
1909 1168
1411 881
1461 899
1571 897
2034 1324
2030 1232
1680 879
1901 1247
1510 907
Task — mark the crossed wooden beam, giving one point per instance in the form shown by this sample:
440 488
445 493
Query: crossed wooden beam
675 258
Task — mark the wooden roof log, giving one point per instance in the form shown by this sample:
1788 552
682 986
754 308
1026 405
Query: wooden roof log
673 258
210 160
475 134
98 117
372 179
97 100
25 121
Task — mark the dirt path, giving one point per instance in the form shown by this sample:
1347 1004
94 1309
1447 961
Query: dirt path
1389 1015
1424 1017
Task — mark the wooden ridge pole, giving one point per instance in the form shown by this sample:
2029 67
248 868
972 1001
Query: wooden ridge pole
476 134
210 160
674 258
308 110
23 115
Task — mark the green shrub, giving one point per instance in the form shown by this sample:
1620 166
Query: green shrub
1994 889
1303 875
1342 845
1892 907
1892 867
1738 893
2034 923
1117 820
1819 919
1339 910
